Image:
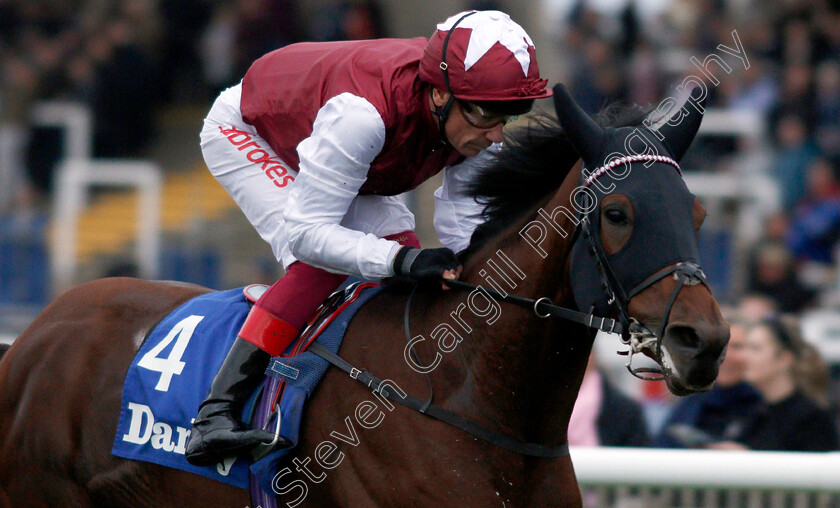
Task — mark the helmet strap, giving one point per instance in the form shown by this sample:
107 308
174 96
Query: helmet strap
442 113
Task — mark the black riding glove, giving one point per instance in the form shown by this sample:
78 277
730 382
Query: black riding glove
424 264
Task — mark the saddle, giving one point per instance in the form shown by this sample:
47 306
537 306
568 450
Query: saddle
324 316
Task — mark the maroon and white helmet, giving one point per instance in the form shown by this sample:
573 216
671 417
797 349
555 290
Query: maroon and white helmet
483 56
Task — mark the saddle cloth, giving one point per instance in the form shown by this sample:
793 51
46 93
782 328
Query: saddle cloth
170 377
174 367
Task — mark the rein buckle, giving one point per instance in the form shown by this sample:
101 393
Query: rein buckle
546 300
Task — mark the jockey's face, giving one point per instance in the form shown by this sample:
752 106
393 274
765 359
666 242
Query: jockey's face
464 128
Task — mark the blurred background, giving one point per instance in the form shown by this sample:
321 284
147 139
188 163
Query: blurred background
101 103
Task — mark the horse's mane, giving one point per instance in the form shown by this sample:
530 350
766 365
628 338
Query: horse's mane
531 165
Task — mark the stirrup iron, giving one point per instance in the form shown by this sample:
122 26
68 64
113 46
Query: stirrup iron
263 449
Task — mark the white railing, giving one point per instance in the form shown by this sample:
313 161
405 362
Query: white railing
74 180
651 477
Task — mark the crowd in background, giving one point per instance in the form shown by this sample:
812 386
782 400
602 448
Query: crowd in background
126 59
793 84
773 393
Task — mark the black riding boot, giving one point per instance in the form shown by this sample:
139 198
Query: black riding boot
216 432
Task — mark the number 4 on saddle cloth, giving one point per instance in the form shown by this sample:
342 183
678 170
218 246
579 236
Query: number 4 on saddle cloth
174 367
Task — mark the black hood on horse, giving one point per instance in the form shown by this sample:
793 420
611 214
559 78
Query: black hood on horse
658 240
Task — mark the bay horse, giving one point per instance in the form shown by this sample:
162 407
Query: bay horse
505 367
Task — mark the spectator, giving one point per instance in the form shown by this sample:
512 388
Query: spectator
216 48
789 373
755 92
797 44
347 21
720 413
769 271
124 92
754 307
18 81
828 25
828 108
815 226
794 154
262 26
644 76
603 416
182 23
363 21
772 273
597 79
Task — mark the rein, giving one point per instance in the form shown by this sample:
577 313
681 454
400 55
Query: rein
590 320
632 333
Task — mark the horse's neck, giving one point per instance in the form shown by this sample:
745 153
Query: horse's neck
524 372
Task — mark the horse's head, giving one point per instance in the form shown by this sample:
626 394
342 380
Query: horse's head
637 252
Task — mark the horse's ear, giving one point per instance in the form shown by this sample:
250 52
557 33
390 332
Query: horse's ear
585 134
679 136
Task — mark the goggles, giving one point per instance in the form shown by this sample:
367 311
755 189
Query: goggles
476 116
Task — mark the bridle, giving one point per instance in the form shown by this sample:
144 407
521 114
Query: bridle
637 336
632 332
686 273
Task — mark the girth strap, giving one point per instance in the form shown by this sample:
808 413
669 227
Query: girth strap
439 413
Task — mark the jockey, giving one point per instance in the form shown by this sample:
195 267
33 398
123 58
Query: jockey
316 143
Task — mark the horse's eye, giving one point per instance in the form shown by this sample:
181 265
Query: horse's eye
616 216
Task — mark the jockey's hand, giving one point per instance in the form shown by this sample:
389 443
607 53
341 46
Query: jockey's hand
427 264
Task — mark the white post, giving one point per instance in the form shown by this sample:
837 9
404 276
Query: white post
75 176
75 119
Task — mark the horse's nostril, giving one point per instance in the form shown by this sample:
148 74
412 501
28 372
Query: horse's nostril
685 336
695 352
694 341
